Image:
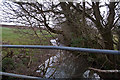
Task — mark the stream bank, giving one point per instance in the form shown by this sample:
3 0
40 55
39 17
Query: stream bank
65 65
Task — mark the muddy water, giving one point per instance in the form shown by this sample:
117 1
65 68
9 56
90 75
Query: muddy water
65 65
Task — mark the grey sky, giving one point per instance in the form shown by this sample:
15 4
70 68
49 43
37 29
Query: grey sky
102 9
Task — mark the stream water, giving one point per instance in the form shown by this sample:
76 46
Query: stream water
65 65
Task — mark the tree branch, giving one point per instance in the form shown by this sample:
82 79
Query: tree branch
111 15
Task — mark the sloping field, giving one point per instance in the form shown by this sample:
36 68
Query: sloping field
24 36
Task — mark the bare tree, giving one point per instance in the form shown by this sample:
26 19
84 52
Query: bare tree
103 25
66 18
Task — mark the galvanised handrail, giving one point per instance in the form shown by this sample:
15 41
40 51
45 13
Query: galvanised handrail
20 76
63 48
54 47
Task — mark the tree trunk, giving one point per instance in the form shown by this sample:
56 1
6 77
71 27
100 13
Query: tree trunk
108 39
108 42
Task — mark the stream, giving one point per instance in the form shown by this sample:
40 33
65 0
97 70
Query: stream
65 65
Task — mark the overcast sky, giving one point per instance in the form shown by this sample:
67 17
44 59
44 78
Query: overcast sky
103 9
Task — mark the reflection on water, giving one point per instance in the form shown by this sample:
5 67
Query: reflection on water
65 65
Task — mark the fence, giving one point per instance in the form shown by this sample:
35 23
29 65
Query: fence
88 50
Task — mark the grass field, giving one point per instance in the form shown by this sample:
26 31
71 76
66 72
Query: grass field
12 36
16 60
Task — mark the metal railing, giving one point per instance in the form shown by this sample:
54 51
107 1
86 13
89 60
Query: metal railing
63 48
20 76
88 50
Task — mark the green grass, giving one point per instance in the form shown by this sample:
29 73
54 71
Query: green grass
8 36
15 59
12 36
